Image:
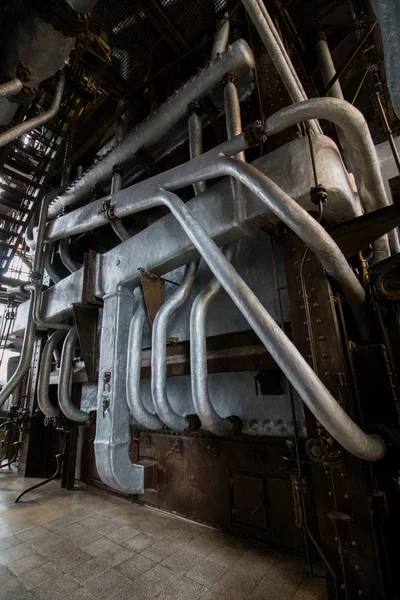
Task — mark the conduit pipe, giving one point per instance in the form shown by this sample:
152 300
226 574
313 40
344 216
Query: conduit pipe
305 381
214 164
11 134
196 145
44 403
11 87
64 385
277 51
138 410
364 158
159 350
221 37
65 256
238 58
210 419
116 184
35 302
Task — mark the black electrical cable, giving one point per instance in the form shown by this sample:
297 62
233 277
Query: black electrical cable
59 461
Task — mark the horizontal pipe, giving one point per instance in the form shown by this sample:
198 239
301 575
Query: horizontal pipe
364 158
11 87
140 197
210 419
238 58
26 126
159 351
138 410
64 385
46 361
305 381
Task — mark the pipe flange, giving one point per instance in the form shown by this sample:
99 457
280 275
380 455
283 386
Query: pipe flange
254 134
108 210
23 73
196 108
61 16
229 78
119 169
318 194
194 423
237 424
317 450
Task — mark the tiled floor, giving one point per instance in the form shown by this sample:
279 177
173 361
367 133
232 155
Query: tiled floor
83 545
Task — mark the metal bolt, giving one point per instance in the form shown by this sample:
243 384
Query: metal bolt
318 321
118 262
346 496
324 355
315 305
330 494
327 373
354 544
357 567
313 289
321 338
296 263
336 539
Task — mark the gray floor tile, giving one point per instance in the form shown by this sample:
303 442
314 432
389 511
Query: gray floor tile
58 588
182 589
10 589
102 544
161 550
5 574
22 565
181 561
108 583
140 542
89 570
113 558
81 594
135 566
207 573
122 534
39 576
226 555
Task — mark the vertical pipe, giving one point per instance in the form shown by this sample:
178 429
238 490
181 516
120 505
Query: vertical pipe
116 183
327 67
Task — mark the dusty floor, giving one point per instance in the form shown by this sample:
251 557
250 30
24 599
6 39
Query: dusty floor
84 545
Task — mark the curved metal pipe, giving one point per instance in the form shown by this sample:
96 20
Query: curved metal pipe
11 134
11 87
210 419
65 256
36 289
238 58
44 375
159 352
196 146
139 412
221 37
361 147
305 381
116 184
64 385
277 51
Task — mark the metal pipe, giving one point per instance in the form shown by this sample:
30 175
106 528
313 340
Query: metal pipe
367 172
387 130
116 183
36 289
64 385
65 256
210 419
277 51
196 145
139 412
238 58
327 67
46 361
221 37
214 164
306 382
82 6
159 351
11 134
11 87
